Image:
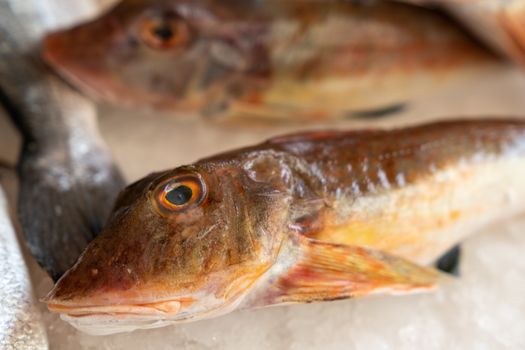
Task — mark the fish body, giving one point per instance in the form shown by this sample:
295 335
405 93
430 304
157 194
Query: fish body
306 217
265 59
68 179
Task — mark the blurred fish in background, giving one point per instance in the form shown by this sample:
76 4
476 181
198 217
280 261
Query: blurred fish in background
289 60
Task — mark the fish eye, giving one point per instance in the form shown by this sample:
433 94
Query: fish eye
164 33
180 193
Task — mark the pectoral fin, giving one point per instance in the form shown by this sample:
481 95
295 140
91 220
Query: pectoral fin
326 271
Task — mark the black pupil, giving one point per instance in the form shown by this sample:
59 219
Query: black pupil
179 195
163 32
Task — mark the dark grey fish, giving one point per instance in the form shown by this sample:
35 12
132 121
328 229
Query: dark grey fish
68 180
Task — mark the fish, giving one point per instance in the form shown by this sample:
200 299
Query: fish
68 179
307 217
21 325
268 60
498 23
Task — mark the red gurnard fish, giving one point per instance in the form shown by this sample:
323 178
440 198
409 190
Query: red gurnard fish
307 217
266 59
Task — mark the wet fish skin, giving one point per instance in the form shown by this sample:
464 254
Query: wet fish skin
68 180
307 217
272 59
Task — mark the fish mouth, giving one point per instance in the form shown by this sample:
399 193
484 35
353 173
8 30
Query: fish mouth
121 318
111 319
160 308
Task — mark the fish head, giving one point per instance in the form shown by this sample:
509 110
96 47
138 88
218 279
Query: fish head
176 54
180 245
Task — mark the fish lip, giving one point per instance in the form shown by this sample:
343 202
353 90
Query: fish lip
162 308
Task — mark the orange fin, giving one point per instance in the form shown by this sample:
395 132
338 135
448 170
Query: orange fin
326 271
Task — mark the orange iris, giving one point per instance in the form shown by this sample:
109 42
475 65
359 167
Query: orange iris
181 193
164 33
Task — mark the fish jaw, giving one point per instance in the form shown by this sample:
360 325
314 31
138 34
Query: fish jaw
119 312
127 317
114 311
104 320
169 307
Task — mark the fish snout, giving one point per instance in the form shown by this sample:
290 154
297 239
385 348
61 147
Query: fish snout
53 48
116 318
78 61
102 288
59 53
114 312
